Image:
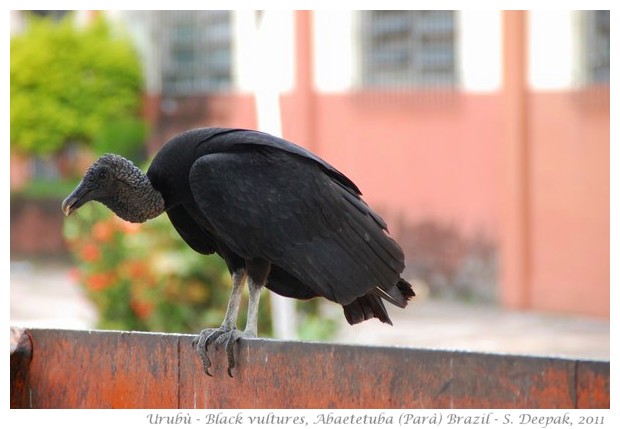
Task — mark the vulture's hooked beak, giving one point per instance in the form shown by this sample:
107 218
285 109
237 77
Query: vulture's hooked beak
76 200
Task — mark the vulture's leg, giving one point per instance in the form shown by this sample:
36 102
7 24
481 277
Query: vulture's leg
208 336
257 270
232 311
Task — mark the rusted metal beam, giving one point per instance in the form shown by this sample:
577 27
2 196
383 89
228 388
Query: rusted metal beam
104 369
21 354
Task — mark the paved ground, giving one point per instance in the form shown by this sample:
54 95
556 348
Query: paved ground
455 326
45 296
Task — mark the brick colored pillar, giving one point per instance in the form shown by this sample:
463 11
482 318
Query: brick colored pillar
515 231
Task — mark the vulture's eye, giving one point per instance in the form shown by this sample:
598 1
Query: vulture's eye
103 174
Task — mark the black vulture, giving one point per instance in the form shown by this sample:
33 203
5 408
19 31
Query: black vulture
279 216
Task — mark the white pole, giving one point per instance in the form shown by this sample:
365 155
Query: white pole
267 98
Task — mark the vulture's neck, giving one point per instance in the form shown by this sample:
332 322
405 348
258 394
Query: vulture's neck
136 200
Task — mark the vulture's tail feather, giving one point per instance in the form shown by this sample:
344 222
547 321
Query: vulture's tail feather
364 308
371 305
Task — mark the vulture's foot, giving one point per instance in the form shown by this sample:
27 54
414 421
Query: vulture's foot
202 342
218 336
229 339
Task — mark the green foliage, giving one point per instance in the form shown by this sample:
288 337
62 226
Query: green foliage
145 277
123 137
47 189
67 83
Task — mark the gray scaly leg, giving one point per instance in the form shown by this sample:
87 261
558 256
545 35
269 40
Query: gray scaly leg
209 336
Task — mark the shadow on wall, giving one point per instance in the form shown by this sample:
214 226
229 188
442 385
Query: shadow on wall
449 263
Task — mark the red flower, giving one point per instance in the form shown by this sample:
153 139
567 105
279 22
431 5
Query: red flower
99 281
137 269
90 253
125 226
143 309
103 231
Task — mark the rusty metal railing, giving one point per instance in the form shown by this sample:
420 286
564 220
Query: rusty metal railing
53 368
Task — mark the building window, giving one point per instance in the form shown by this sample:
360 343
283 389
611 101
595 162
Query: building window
408 48
54 14
596 59
196 52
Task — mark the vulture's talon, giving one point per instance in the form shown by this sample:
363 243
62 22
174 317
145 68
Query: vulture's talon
231 340
218 337
230 354
202 342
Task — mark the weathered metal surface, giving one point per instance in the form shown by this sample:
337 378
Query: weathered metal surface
97 369
592 384
338 376
21 354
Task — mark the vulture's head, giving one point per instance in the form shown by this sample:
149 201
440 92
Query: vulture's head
121 186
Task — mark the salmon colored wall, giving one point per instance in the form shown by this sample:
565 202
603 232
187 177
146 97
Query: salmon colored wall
440 158
419 156
443 162
569 208
533 167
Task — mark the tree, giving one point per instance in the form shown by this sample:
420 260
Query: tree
70 84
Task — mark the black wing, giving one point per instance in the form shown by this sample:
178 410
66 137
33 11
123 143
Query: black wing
263 202
231 139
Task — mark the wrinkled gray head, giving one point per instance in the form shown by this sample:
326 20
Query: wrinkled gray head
121 186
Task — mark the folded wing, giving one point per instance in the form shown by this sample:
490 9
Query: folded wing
264 202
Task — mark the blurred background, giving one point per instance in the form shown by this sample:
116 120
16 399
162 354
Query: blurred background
481 137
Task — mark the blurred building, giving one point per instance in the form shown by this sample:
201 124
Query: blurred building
481 136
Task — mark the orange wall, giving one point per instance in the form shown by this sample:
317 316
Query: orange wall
530 171
569 208
443 162
439 157
419 156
